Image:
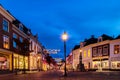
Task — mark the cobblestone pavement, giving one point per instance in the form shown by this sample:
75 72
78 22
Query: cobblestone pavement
57 75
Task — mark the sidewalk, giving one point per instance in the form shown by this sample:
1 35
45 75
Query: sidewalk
3 73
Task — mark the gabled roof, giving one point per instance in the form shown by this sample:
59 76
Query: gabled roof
118 37
17 22
90 41
76 47
6 13
106 37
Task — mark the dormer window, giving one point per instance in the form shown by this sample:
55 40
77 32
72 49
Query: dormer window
100 39
21 27
81 44
28 32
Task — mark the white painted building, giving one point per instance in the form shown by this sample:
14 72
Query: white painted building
87 57
103 53
76 55
35 55
115 54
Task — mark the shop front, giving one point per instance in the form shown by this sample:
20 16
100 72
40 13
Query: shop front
4 64
87 64
45 66
103 64
115 62
20 62
5 61
33 62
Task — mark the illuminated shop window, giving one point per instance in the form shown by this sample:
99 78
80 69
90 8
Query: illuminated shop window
21 62
15 62
116 64
4 65
6 42
26 63
96 64
105 64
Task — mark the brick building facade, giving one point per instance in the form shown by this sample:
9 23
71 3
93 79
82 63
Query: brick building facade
15 44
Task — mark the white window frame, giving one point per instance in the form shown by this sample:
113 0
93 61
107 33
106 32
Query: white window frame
16 35
21 39
4 41
15 43
100 39
8 24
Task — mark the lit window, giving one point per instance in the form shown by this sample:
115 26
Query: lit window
84 54
21 39
21 27
5 25
116 49
89 53
6 42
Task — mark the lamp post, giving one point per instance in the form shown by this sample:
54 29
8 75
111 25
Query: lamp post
100 67
64 38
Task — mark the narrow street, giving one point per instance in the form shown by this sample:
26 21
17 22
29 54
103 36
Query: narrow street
57 75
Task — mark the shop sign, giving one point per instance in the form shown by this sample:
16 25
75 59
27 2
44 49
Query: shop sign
115 59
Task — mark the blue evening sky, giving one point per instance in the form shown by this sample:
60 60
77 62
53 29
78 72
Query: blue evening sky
79 18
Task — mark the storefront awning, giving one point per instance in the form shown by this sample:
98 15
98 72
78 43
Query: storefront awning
2 59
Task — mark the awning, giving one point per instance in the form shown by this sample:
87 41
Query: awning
2 59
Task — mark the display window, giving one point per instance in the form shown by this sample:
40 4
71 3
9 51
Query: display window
115 65
4 65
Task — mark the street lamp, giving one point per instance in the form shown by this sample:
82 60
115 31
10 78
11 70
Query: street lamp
64 38
100 66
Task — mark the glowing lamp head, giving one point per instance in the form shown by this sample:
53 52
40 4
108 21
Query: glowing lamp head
80 50
38 57
64 36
